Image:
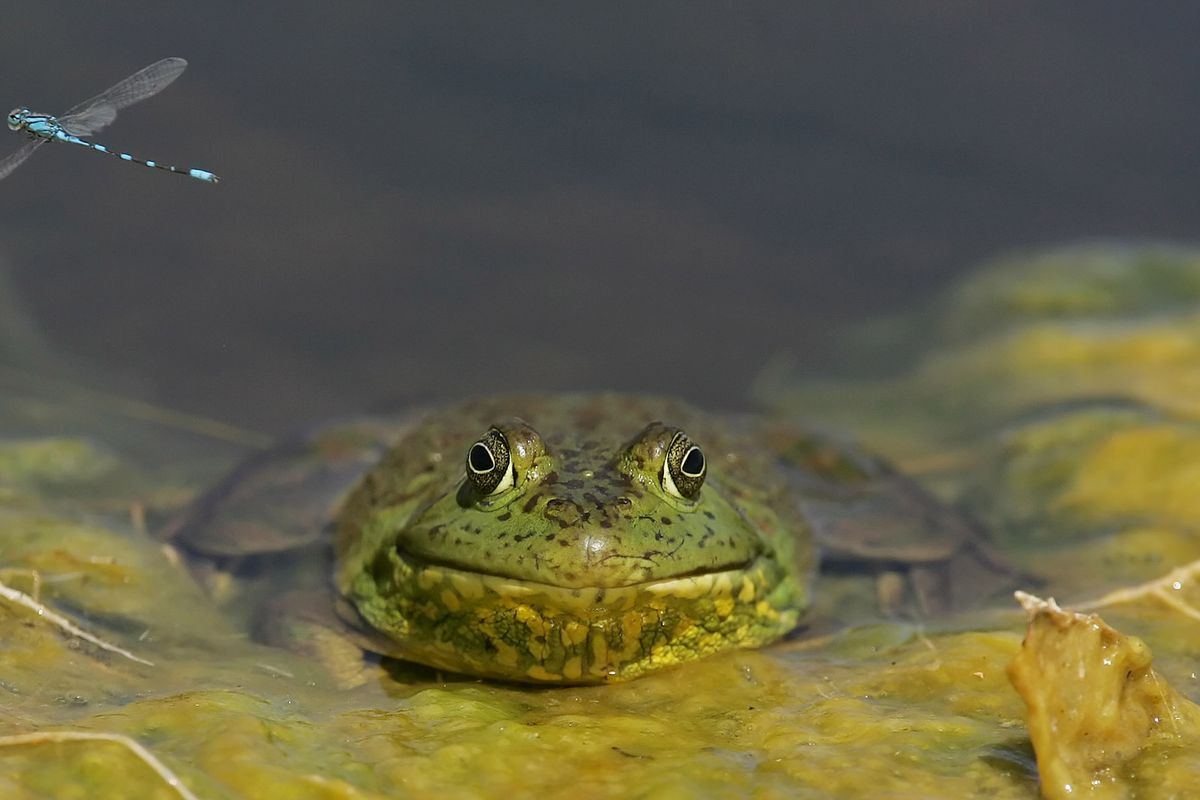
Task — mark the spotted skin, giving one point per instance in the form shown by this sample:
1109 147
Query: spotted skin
577 562
586 570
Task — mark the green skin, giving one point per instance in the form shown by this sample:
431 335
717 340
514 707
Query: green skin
591 566
609 548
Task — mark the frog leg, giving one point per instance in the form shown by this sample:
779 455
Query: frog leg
304 622
921 589
930 584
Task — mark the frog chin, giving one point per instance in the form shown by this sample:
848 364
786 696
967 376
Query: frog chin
513 629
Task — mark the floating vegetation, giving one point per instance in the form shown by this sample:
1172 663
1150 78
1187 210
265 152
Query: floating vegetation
59 737
68 627
1056 403
1095 706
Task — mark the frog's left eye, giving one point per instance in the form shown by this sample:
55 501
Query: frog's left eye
684 468
489 464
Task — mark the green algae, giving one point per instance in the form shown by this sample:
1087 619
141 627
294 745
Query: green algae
233 719
1096 281
54 461
1056 399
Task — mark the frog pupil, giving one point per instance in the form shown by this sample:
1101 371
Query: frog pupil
481 458
693 463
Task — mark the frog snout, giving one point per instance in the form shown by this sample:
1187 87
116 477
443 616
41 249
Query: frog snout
563 511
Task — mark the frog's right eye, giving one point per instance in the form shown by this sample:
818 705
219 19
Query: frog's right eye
684 468
489 464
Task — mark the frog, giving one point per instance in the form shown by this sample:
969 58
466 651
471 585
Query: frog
567 539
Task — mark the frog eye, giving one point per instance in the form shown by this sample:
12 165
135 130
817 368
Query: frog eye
489 466
684 468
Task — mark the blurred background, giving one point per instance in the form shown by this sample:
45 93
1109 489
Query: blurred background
423 201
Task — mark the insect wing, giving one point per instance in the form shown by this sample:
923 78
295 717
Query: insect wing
89 121
17 158
97 112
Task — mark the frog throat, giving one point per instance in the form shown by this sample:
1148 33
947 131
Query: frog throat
525 631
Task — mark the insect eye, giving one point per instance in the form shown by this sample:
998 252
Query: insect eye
684 468
489 464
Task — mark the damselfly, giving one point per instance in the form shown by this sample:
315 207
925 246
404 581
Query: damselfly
94 115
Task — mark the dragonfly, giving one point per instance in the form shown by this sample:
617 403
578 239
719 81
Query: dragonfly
95 114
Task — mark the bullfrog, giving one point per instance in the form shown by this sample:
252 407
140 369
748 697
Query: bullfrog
569 539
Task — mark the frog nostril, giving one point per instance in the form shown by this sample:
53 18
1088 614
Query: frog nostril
563 511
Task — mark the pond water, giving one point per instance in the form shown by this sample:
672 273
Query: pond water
1049 399
426 203
795 210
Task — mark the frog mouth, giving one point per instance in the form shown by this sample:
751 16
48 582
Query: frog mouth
744 582
640 571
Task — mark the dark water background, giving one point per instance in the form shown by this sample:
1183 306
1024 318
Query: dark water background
437 199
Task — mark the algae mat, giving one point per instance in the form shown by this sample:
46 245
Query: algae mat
1049 394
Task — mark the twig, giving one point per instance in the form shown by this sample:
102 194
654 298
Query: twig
1163 589
43 737
22 599
35 579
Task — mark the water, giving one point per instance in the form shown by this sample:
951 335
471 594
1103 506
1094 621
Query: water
1056 400
431 202
422 203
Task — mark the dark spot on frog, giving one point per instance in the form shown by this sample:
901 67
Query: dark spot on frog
665 520
624 502
505 517
574 483
551 477
520 537
530 504
550 537
710 515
